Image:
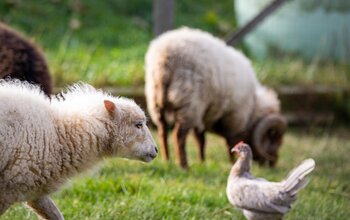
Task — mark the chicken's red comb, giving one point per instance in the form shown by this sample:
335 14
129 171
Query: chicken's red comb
239 143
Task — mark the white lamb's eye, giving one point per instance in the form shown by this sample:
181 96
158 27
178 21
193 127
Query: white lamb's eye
138 125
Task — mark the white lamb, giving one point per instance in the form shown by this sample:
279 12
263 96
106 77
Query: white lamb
195 81
44 142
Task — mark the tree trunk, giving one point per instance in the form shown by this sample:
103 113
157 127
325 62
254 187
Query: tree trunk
163 16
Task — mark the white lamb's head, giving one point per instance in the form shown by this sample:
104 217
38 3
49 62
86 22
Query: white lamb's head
130 136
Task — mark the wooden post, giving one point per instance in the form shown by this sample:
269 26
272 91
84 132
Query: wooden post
163 16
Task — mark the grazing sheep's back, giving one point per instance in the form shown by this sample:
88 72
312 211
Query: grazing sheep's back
197 74
21 59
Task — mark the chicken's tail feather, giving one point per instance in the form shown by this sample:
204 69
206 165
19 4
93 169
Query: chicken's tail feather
296 179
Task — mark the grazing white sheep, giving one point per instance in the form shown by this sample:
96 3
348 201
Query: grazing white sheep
44 142
195 81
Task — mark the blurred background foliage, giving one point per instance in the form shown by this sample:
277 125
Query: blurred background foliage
104 42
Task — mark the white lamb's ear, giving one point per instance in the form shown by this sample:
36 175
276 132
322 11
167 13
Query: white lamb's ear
110 106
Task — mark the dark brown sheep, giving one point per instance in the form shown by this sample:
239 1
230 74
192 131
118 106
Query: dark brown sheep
22 59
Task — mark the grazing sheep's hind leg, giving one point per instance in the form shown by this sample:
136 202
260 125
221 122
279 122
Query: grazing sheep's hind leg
200 138
163 138
180 133
45 208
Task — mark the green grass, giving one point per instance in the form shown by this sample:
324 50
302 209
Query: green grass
293 71
104 42
124 189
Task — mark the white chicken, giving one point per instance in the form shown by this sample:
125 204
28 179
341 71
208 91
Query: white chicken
258 198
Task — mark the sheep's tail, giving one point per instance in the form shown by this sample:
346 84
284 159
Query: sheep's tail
158 78
156 92
296 179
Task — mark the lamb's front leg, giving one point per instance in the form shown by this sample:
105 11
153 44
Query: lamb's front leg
46 208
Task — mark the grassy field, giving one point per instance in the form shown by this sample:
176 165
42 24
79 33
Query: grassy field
104 42
124 189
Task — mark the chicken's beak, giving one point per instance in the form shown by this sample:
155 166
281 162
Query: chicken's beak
234 150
